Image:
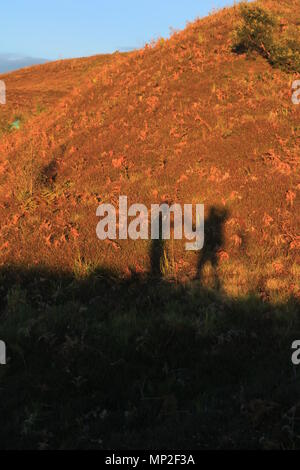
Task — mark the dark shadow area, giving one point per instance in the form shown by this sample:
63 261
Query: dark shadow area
48 174
112 363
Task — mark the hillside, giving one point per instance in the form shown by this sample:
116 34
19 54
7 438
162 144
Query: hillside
183 120
35 90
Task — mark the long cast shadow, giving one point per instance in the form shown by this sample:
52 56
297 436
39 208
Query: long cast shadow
214 242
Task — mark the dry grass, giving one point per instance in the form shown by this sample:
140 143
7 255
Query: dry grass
184 120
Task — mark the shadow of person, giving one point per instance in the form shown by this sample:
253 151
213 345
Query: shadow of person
158 245
157 253
214 241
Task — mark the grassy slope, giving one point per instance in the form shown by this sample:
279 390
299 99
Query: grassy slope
185 120
130 127
35 90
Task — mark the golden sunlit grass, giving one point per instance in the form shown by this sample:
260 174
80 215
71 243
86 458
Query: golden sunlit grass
119 333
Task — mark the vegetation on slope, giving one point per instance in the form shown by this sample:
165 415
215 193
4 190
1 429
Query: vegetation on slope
258 33
126 344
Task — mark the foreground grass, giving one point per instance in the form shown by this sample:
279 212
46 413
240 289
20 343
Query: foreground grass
107 363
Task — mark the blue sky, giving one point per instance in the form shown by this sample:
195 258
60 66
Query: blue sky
55 29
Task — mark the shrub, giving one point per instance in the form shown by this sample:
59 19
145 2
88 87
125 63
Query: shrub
286 56
257 33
